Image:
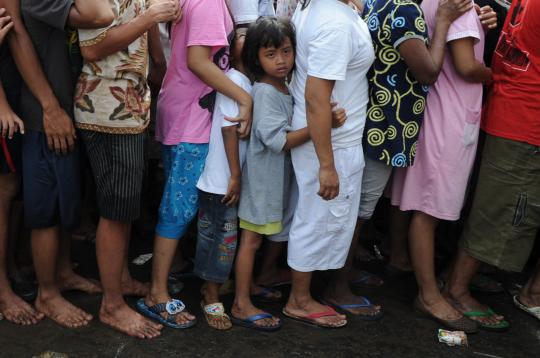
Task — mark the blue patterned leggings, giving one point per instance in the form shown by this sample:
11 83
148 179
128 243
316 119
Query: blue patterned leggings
183 165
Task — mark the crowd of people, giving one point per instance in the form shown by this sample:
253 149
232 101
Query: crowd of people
285 121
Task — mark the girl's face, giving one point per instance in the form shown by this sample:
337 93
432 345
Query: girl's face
239 44
277 62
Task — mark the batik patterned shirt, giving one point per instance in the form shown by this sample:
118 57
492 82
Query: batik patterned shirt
396 99
112 94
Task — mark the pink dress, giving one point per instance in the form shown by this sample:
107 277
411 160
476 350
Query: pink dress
437 182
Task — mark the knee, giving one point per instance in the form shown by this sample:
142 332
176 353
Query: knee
251 242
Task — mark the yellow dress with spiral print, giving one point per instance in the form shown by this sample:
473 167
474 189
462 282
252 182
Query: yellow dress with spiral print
396 100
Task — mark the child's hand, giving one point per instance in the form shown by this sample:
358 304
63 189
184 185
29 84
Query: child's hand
5 24
10 123
487 16
450 10
339 116
232 196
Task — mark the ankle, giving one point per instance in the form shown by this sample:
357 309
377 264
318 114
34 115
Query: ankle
47 294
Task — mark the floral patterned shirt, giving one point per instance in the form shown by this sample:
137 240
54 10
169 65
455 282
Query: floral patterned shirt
112 94
396 100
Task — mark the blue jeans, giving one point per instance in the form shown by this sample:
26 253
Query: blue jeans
183 165
216 239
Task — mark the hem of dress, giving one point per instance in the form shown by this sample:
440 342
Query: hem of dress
430 212
110 130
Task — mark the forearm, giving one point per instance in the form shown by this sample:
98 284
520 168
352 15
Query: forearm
4 105
230 140
478 73
155 49
319 121
117 38
214 77
437 45
85 14
296 138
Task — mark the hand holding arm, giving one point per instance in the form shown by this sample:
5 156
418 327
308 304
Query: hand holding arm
230 140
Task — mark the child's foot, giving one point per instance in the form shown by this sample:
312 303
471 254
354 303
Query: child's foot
124 319
215 316
58 309
247 311
73 282
15 310
181 318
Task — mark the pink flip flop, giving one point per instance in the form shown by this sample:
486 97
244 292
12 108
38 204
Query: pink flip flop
311 318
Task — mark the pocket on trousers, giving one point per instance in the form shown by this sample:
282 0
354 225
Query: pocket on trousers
339 208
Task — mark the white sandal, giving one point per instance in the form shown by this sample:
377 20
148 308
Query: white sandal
533 311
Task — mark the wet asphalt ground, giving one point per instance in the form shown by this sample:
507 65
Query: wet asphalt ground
401 333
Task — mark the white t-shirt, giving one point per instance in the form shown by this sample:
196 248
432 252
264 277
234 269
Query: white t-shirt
247 11
333 43
216 174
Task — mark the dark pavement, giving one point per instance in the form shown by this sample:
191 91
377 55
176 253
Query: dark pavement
401 333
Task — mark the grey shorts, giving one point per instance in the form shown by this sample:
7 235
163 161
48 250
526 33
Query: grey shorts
505 214
376 176
118 162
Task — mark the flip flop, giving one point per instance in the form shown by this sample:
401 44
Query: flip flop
502 326
172 307
216 311
461 324
364 277
367 304
268 295
250 322
533 311
311 318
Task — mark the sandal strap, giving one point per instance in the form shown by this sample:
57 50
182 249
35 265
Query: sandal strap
215 309
328 313
172 307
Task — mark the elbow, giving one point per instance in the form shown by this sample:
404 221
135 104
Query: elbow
428 79
89 54
103 19
468 73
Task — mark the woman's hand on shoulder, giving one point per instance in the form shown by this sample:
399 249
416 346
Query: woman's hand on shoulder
450 10
5 24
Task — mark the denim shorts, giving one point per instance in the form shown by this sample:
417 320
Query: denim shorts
216 239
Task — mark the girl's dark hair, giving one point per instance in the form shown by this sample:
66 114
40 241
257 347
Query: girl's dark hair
265 32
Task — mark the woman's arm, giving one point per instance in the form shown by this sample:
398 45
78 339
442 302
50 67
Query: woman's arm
159 63
94 14
121 36
425 63
465 63
201 65
319 120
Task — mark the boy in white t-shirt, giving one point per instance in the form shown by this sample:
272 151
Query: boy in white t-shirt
219 187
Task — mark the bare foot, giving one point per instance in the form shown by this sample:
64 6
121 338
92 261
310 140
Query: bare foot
62 311
440 308
124 319
15 310
73 282
132 287
352 299
248 310
180 318
304 309
466 303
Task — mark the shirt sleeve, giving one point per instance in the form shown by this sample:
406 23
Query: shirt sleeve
330 51
407 22
228 107
94 36
207 24
467 25
54 13
270 124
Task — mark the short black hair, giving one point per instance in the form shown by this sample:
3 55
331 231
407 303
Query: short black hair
265 32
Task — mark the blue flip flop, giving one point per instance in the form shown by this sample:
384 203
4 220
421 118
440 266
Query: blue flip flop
172 307
366 304
268 295
250 322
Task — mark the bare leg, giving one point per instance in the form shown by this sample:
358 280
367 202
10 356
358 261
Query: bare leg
12 306
421 243
270 273
111 240
68 280
130 286
457 289
399 251
530 294
45 243
339 291
164 251
243 307
301 304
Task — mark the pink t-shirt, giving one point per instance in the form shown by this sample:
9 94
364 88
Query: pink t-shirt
185 103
